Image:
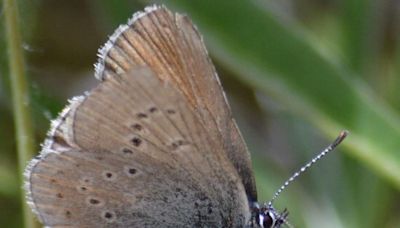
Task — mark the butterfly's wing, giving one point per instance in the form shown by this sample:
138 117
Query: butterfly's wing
133 153
170 44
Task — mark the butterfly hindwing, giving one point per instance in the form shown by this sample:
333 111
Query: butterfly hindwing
143 159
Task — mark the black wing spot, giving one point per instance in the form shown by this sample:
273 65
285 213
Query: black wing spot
136 141
153 110
94 201
171 111
132 171
109 176
109 216
127 151
141 115
137 127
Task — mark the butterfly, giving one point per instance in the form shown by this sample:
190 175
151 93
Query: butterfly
154 144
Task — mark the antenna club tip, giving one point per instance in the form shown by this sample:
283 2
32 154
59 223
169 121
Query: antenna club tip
344 133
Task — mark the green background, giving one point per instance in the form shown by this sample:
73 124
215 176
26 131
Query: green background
295 72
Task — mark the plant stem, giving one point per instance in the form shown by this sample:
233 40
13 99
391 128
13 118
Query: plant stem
21 99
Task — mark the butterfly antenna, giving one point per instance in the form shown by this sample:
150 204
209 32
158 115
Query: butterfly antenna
328 149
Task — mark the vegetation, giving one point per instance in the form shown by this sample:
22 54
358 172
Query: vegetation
296 73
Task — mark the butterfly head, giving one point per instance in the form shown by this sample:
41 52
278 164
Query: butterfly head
267 217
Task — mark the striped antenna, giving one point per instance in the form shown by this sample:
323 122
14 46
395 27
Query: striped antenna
328 149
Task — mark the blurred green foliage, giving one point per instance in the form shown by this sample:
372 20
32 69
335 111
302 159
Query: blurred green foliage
296 73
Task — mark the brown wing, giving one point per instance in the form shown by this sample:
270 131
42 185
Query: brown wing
132 153
171 46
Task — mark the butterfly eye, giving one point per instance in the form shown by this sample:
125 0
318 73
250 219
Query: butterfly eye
268 220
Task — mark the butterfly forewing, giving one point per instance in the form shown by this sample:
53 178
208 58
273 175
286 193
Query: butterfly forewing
170 44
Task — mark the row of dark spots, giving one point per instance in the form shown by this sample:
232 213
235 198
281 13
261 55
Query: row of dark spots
108 175
130 171
136 141
142 115
54 181
108 215
152 110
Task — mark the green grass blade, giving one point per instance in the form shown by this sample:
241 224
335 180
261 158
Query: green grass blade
20 95
357 20
277 59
